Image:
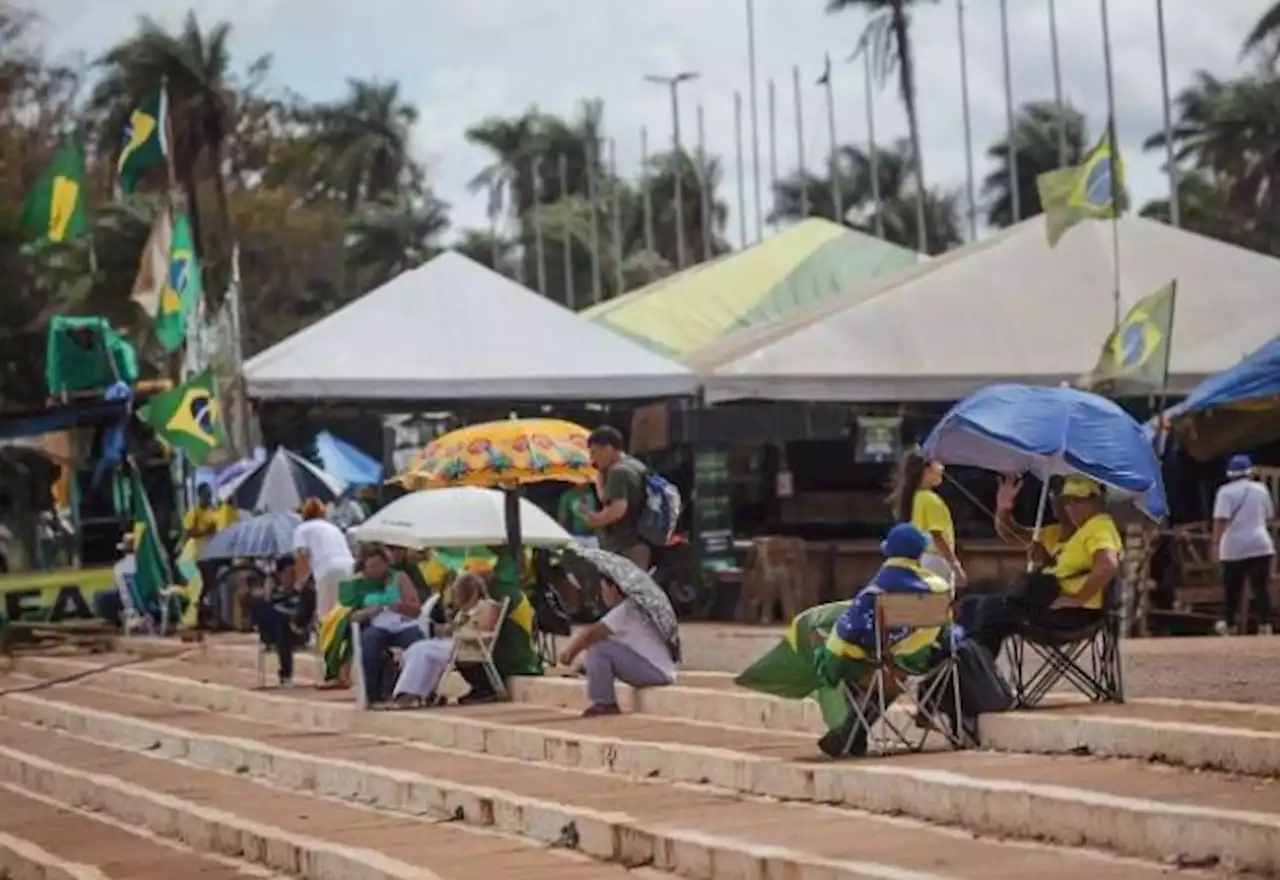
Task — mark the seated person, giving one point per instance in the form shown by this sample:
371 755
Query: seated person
1068 594
282 615
636 642
848 651
1042 548
388 616
425 662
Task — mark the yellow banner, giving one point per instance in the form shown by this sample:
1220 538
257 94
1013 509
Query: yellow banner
64 594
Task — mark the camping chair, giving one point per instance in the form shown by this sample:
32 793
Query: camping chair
936 693
1087 658
485 642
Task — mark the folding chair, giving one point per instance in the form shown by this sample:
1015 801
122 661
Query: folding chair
485 642
934 692
1087 658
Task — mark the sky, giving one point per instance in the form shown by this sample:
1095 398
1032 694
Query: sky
463 60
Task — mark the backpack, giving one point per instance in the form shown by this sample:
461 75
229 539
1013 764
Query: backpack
662 505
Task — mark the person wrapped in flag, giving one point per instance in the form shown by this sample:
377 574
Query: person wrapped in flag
841 643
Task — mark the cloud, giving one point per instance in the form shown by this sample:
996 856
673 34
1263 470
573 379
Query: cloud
461 60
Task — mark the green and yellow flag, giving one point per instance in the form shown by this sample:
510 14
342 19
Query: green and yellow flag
1135 357
182 287
1094 189
188 417
55 209
153 574
146 140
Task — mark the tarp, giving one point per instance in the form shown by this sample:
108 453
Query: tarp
452 329
1237 409
794 269
348 463
1009 309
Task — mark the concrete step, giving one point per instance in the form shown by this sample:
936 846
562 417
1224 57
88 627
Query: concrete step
1129 808
93 847
295 834
628 820
1231 737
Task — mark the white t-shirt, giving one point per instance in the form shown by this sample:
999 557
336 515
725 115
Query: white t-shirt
633 628
326 546
1247 507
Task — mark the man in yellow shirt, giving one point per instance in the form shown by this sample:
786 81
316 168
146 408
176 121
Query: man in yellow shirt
1042 549
202 521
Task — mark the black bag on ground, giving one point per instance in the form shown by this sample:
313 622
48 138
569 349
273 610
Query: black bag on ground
982 687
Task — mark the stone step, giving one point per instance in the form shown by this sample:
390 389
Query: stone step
1124 807
295 834
93 847
611 817
1231 737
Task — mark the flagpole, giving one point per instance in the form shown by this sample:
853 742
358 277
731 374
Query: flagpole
539 254
646 198
705 198
773 146
242 389
1171 166
615 216
596 281
833 162
567 236
1015 194
874 155
799 108
1115 158
755 116
742 183
970 189
1057 83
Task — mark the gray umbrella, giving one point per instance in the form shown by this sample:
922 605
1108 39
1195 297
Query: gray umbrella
268 536
637 585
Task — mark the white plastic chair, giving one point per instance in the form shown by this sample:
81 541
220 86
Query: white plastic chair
357 652
485 642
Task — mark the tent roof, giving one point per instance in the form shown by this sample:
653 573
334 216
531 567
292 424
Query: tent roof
799 267
1008 309
454 329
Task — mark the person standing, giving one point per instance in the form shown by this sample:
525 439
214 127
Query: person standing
321 552
200 524
622 480
1242 543
915 500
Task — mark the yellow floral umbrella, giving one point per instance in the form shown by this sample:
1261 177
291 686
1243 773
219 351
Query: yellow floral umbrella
502 454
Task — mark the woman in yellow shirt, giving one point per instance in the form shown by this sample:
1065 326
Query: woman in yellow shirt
915 500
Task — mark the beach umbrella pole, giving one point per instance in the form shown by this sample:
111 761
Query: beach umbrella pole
511 514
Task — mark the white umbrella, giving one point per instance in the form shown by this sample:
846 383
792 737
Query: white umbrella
464 516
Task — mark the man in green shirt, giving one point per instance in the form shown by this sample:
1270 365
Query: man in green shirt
621 496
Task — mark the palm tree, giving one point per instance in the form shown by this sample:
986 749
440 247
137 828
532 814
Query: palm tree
697 171
1035 136
489 250
365 141
887 37
194 65
1265 36
394 236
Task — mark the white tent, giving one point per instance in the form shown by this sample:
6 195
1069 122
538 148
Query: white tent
453 329
1011 309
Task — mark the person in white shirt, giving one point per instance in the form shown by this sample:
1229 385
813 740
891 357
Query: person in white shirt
636 642
322 552
1242 543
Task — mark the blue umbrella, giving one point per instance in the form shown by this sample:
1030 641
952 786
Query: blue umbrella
268 536
344 461
1018 429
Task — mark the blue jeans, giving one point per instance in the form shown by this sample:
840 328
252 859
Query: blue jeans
374 645
274 630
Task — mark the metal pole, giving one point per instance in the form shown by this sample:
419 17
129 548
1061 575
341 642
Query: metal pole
677 167
1057 84
742 182
874 155
773 145
1015 194
1171 166
804 174
705 197
833 162
597 283
646 197
1115 152
755 121
566 236
616 217
539 254
970 188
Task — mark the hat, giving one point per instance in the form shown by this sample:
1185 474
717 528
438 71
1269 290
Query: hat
1239 465
904 541
1080 487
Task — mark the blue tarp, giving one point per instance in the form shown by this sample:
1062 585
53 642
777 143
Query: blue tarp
1255 378
1019 429
1237 409
346 462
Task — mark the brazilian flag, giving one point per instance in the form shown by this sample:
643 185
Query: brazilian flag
54 211
790 668
515 652
182 287
146 140
1093 189
188 417
1135 357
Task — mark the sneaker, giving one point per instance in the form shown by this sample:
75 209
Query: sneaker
286 683
1264 629
595 710
1220 628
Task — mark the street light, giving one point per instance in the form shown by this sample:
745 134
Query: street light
673 83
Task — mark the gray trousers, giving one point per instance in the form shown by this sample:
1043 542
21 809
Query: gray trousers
611 661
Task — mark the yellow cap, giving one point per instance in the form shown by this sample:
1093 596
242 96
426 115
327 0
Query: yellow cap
1080 487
